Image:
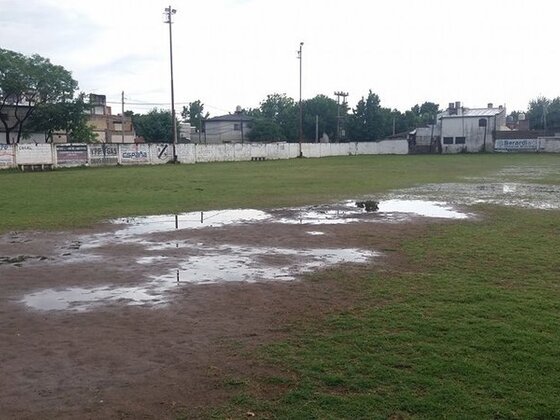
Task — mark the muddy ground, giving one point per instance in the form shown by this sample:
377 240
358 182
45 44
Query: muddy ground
138 319
126 359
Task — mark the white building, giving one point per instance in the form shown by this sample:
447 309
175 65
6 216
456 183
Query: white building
469 129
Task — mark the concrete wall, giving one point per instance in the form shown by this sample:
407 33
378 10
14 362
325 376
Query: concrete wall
160 153
7 156
186 153
550 145
35 154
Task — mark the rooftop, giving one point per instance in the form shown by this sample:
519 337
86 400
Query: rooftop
232 118
475 112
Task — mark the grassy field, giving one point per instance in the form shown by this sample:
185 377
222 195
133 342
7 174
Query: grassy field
468 330
80 197
471 333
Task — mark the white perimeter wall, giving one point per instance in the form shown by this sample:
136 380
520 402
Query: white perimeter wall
159 153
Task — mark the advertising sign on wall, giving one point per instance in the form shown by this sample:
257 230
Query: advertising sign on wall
134 153
103 154
71 154
516 145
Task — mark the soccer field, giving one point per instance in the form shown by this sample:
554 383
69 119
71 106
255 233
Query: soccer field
233 289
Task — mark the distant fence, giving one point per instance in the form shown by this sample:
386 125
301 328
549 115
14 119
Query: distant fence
68 155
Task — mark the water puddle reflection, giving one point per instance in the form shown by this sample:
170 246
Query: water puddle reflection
532 196
214 265
385 210
82 299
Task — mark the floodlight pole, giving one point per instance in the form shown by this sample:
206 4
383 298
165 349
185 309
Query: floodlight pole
338 95
169 12
300 58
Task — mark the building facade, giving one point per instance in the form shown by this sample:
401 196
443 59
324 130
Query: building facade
231 128
470 130
109 128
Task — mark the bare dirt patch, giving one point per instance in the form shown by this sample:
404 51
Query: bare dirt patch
121 358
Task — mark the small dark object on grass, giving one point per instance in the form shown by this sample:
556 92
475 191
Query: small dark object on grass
368 205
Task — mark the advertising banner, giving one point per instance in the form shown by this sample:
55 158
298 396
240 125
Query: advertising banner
71 154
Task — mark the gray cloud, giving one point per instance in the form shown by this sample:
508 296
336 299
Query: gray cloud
34 26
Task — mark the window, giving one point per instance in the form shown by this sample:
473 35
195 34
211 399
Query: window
460 140
448 140
237 127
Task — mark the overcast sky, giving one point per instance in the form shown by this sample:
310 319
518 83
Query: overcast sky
235 52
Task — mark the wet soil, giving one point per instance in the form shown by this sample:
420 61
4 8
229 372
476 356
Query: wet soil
181 355
155 316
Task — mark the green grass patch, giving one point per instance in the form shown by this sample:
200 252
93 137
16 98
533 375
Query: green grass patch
472 333
79 197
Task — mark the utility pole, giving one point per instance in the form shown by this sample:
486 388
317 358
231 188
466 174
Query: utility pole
338 96
122 116
300 58
169 12
316 129
545 110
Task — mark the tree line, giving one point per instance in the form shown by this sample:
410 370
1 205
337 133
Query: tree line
38 96
277 119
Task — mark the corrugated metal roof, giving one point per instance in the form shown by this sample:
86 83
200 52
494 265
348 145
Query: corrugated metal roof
477 112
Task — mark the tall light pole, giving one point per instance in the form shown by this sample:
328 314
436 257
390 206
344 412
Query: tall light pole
338 95
300 58
169 12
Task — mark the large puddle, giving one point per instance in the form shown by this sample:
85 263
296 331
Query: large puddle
184 262
213 265
386 211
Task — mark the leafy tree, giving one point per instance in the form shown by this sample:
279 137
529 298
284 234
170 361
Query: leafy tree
367 120
428 113
193 113
155 126
26 84
264 129
67 116
544 113
514 116
281 110
326 109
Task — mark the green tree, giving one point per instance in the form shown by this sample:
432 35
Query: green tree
264 130
282 111
326 110
367 121
428 112
26 84
193 113
544 113
155 126
68 116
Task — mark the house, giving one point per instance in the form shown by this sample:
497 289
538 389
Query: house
231 128
470 130
109 128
